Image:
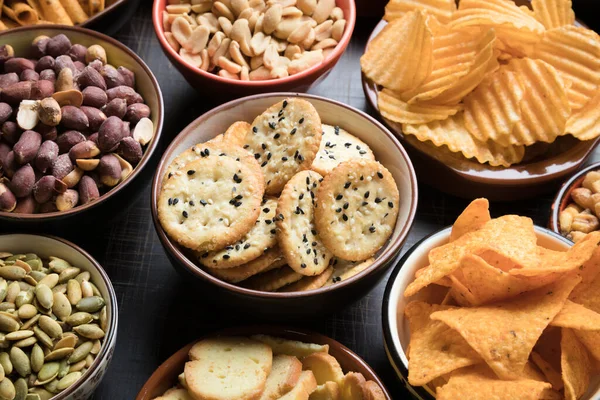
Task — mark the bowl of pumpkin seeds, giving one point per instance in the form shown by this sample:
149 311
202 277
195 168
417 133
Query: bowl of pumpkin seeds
58 319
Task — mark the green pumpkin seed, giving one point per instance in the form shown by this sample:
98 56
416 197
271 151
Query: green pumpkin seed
52 386
26 342
59 354
36 396
3 289
4 344
81 352
89 331
44 296
48 372
86 289
31 322
64 368
8 324
67 274
12 272
7 389
5 362
97 346
41 393
68 380
37 358
20 361
20 389
16 257
43 337
19 335
58 265
27 311
90 304
6 306
2 373
37 275
12 291
66 341
61 307
84 276
104 319
35 264
23 265
74 291
79 318
4 254
78 366
24 298
49 280
50 326
89 360
62 288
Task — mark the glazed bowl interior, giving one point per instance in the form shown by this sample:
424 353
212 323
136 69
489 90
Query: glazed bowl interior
46 246
166 375
118 55
396 327
349 8
386 148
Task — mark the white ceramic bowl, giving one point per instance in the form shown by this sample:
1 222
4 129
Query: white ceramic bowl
46 246
395 327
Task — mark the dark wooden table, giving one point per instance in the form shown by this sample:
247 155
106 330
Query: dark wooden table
158 313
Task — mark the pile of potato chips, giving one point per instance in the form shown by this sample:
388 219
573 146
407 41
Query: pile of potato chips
513 320
488 78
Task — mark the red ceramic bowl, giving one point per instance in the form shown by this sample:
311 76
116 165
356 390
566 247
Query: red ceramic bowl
166 375
225 88
563 197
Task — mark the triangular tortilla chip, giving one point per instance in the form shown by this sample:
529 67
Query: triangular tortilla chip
471 219
551 374
479 383
576 316
435 349
504 333
510 235
576 365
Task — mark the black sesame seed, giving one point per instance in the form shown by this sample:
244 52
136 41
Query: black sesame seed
175 201
273 231
347 185
185 214
314 243
192 203
377 200
191 172
269 156
264 146
281 217
307 251
307 180
304 239
362 152
372 229
390 204
347 145
229 248
257 156
246 246
254 129
226 256
293 131
316 261
312 195
239 197
272 125
285 103
170 201
170 175
245 146
263 164
301 196
232 201
204 203
380 175
367 193
236 178
345 217
280 113
207 152
346 206
284 158
280 119
362 178
302 265
301 120
296 154
313 231
237 247
277 135
237 204
268 221
339 197
266 210
336 130
204 255
332 157
300 158
364 203
338 210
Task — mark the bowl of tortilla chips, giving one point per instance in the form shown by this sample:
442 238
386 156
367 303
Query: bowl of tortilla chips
496 308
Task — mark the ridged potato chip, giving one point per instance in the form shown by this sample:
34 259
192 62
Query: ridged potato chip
585 123
395 109
553 13
544 107
452 133
400 57
493 109
575 53
516 42
441 9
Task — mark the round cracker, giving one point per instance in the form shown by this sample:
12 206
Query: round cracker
344 269
338 146
298 238
195 152
309 282
212 203
272 280
270 259
236 133
261 237
285 139
357 206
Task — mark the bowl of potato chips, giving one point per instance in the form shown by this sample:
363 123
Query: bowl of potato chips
496 308
487 94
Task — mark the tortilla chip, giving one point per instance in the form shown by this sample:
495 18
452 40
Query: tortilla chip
435 349
576 365
576 316
504 333
551 374
471 219
479 383
531 371
510 235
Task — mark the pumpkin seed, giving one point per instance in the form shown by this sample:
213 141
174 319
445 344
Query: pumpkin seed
62 288
12 272
61 307
35 264
90 304
97 345
2 373
13 290
86 289
5 344
41 393
27 311
48 372
79 318
64 368
7 389
43 337
59 354
74 291
44 296
20 389
20 361
58 265
31 322
66 341
37 358
81 352
50 326
89 360
26 342
5 362
19 335
49 280
104 319
6 306
4 254
67 274
24 297
3 289
8 324
95 290
16 257
78 366
68 380
89 331
84 276
23 265
52 386
37 275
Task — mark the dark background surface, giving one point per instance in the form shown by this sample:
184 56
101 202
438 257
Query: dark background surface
158 312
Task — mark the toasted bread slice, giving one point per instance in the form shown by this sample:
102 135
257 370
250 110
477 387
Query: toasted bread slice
353 387
305 386
326 391
284 375
228 368
291 347
325 368
175 394
373 391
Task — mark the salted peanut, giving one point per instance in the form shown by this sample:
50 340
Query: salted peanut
205 60
126 169
258 5
256 62
210 21
227 74
244 74
291 51
279 72
305 61
281 44
165 21
328 52
338 29
291 12
229 65
259 43
241 34
181 30
272 18
221 51
286 26
192 59
325 44
237 6
179 8
284 3
192 21
336 14
258 27
582 197
271 56
590 180
215 43
225 25
172 41
96 52
323 10
202 7
307 6
252 20
236 54
221 10
260 74
310 39
299 34
323 30
197 40
246 14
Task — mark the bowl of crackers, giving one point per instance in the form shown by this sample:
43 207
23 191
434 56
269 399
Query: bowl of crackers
284 202
239 48
492 98
495 308
265 362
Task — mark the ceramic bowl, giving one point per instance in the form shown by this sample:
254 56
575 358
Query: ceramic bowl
225 88
387 150
466 178
46 246
563 197
395 327
166 375
146 84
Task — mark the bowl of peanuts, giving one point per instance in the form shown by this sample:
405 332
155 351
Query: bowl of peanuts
241 47
576 207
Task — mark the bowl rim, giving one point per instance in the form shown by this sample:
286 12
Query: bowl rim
387 256
392 352
272 330
474 175
152 146
330 60
110 337
560 198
